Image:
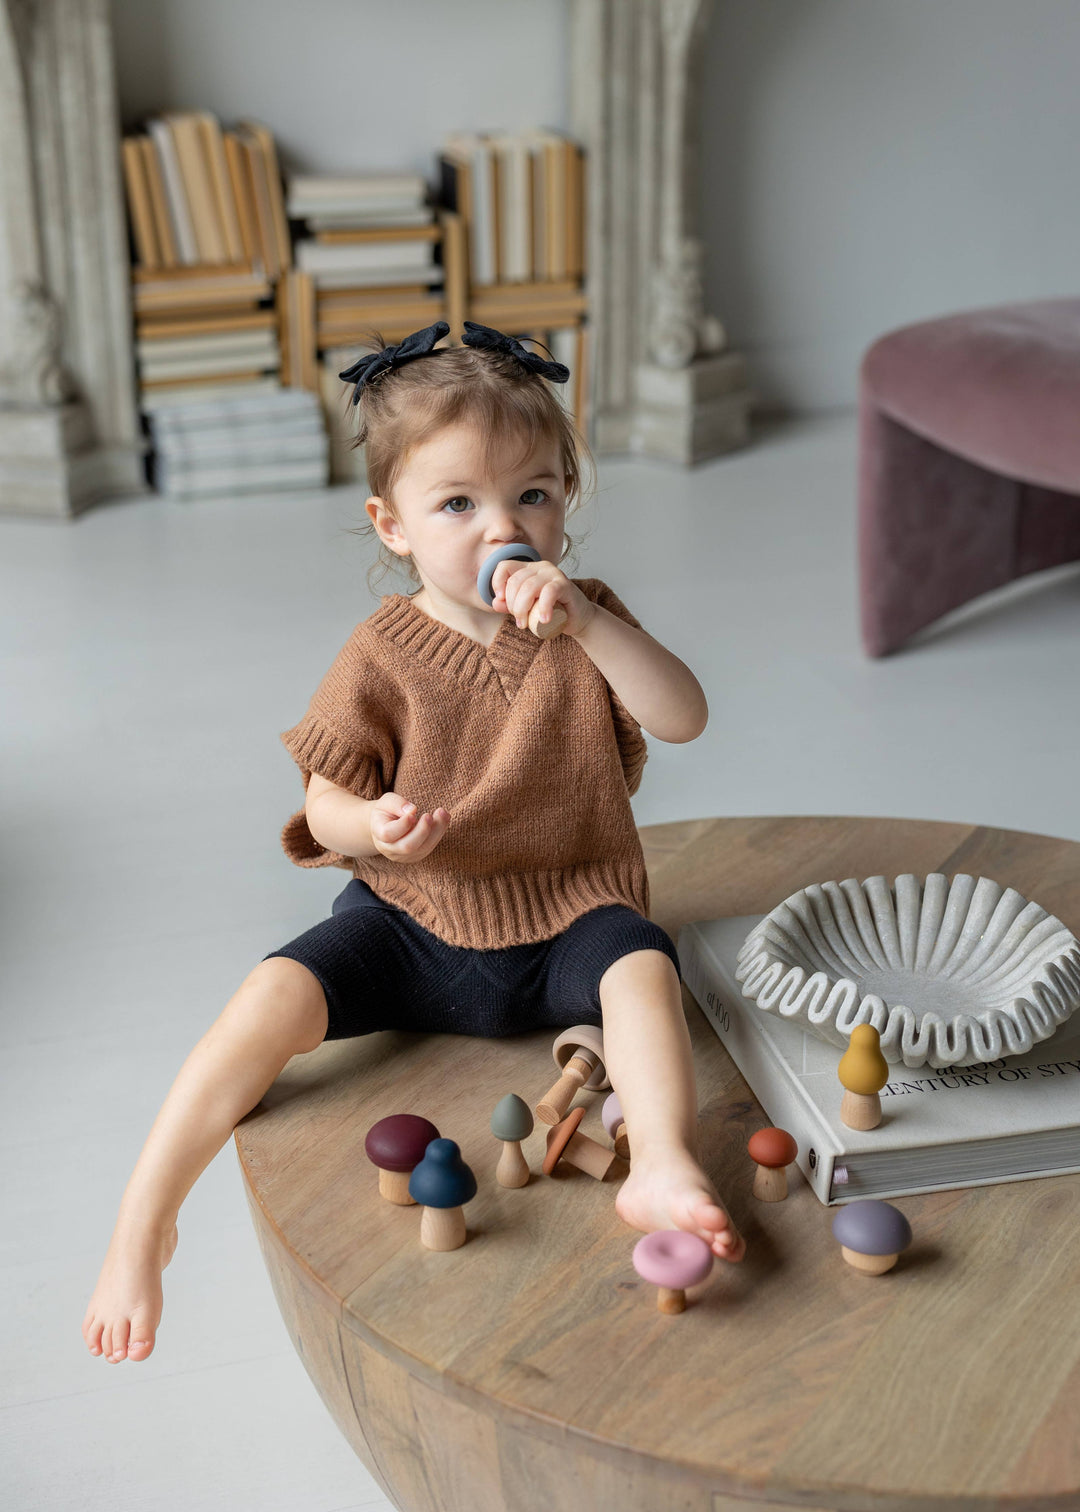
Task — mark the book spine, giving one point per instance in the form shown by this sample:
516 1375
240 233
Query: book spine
765 1078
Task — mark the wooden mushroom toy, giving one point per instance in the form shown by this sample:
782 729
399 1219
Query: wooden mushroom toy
397 1144
512 1122
774 1150
519 552
872 1234
443 1183
863 1071
615 1124
579 1055
565 1143
672 1260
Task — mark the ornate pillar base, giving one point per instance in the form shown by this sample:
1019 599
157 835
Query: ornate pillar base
51 464
689 414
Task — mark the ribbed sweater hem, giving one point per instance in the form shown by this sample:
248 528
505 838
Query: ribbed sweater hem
509 908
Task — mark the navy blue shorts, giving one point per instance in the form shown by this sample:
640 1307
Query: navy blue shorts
380 969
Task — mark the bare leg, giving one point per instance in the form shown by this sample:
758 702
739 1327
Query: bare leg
279 1011
651 1067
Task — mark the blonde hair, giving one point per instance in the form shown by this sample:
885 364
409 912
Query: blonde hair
402 408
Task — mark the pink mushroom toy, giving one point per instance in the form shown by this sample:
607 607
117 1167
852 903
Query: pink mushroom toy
615 1124
672 1260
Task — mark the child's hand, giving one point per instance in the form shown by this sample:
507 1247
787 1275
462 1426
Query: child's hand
399 833
520 586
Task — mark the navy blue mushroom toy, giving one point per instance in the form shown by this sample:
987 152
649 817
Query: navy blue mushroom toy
871 1235
443 1183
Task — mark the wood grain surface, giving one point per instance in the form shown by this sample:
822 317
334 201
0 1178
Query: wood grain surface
531 1370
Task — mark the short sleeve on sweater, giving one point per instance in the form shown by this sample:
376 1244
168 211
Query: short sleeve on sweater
348 737
633 751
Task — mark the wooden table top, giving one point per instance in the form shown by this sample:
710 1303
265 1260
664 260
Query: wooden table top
953 1381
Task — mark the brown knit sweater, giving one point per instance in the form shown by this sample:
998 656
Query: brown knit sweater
524 742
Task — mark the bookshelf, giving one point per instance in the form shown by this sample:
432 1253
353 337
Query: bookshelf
241 281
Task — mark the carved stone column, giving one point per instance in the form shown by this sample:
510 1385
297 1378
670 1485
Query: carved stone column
69 431
663 382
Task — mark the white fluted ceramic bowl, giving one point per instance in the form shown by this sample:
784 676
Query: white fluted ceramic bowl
947 974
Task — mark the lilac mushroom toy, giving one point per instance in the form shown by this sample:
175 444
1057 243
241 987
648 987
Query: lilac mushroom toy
672 1259
615 1124
871 1235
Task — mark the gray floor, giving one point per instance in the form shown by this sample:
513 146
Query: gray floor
150 655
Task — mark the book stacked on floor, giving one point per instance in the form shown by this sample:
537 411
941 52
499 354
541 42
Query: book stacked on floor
201 197
210 237
369 245
521 197
943 1126
273 439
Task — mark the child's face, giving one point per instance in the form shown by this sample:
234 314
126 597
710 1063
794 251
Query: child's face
450 516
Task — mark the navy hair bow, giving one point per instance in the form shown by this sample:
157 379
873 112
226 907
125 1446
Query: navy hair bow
419 344
486 339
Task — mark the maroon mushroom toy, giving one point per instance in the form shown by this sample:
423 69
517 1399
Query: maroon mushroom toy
672 1259
774 1150
396 1145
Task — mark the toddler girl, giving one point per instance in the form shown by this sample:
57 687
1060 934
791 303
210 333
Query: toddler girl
476 781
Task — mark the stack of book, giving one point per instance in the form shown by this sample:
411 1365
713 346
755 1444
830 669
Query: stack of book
210 237
245 443
521 197
367 246
201 197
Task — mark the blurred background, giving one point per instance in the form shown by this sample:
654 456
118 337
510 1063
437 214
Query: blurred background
203 207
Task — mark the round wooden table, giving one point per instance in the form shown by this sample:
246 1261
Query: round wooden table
530 1370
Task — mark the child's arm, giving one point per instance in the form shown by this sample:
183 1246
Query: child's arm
387 826
655 687
658 689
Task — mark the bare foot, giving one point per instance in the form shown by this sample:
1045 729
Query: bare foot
125 1309
672 1191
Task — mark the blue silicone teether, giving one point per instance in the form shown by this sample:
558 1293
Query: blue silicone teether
515 552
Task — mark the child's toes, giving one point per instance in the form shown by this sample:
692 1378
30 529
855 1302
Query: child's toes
92 1334
120 1334
141 1341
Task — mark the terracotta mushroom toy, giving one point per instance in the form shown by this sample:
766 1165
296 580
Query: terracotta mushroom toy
774 1150
565 1143
443 1183
615 1124
672 1260
397 1144
579 1055
863 1071
512 1122
872 1235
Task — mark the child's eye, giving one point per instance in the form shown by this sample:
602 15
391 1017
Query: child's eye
525 496
459 500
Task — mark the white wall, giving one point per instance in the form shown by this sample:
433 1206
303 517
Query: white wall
348 85
872 162
865 162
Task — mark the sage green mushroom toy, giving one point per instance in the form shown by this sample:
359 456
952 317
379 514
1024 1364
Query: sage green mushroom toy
512 1122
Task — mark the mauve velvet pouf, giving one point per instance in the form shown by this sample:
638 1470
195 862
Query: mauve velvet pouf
969 461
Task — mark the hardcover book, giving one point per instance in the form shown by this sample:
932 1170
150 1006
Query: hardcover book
942 1126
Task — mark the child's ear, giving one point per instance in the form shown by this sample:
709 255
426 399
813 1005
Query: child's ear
387 527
